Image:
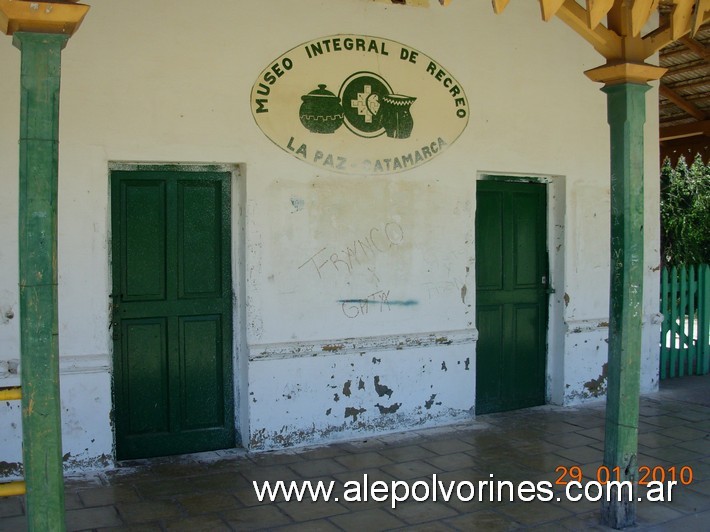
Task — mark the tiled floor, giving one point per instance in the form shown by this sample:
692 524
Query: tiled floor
213 491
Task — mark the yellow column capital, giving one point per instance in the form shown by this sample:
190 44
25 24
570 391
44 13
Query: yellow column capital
56 16
614 73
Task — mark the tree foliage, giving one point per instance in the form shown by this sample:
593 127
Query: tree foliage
685 212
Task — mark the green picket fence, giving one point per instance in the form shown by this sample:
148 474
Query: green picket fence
685 333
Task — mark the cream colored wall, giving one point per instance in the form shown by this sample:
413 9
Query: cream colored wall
170 80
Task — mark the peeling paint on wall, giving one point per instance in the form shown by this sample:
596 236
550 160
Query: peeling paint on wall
10 469
332 348
597 387
291 436
257 439
381 389
353 412
6 314
388 409
297 204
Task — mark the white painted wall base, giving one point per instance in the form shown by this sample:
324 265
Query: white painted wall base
358 393
87 431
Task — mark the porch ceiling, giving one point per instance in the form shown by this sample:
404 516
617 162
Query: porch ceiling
684 109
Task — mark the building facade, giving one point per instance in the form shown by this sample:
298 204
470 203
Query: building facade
312 221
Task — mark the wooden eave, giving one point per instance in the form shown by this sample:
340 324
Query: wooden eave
618 30
684 93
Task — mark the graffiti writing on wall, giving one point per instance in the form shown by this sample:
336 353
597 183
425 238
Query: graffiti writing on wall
357 253
376 302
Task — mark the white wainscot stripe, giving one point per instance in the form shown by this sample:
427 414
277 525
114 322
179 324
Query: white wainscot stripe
85 364
68 364
582 326
369 344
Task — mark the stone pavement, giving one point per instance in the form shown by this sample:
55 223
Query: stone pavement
213 491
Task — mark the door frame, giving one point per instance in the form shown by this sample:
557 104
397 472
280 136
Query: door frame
237 260
555 240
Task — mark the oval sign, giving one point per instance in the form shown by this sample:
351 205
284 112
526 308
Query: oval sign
359 105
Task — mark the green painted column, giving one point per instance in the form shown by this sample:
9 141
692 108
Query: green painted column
39 147
626 104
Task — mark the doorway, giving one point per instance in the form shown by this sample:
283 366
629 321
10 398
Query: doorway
171 310
511 295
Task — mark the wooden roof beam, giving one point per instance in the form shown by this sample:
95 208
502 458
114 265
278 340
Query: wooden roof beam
690 84
685 130
681 21
550 8
499 6
628 17
641 11
604 41
597 10
700 16
681 17
679 51
689 107
689 67
696 47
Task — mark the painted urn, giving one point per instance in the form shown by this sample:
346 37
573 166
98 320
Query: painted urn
321 111
395 115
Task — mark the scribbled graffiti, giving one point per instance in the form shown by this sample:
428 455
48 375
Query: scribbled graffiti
344 260
376 302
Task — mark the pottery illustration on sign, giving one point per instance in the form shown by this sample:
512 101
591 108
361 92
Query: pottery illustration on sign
321 111
325 100
394 116
369 108
361 95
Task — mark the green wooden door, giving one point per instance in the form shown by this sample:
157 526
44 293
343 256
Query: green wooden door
511 295
172 312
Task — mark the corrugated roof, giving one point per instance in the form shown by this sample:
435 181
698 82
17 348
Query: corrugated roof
687 79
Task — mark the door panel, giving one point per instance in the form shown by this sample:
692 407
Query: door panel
143 224
511 295
526 235
489 369
199 233
172 313
146 375
489 243
202 398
